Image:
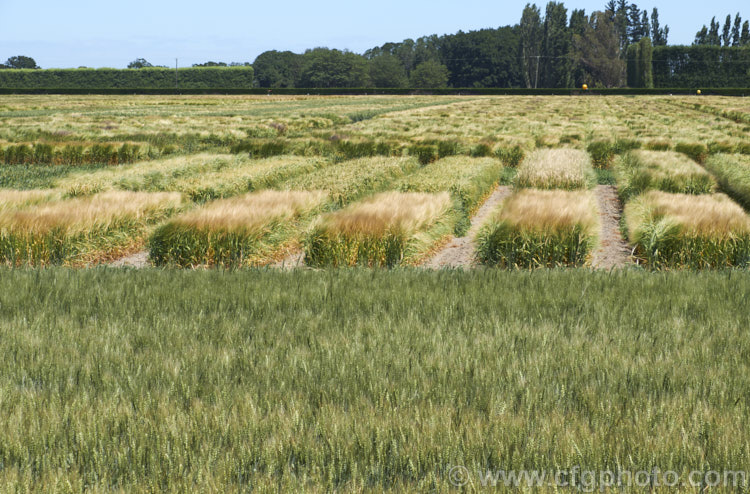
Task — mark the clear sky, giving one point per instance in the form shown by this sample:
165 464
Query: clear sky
106 33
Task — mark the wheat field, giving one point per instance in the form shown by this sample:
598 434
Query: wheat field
207 368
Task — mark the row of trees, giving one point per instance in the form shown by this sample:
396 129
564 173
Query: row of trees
734 33
699 65
546 49
323 67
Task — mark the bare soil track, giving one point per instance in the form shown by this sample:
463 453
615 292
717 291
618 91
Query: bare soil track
137 260
459 252
293 260
613 251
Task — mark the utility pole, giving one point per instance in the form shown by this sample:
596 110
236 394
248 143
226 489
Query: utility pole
175 73
536 79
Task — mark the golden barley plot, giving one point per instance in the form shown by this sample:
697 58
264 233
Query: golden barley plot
688 231
469 180
160 125
540 228
248 230
385 230
75 230
210 147
13 199
166 124
353 179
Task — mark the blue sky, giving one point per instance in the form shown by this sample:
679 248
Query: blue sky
112 33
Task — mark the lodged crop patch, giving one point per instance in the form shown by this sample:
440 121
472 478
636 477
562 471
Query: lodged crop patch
732 172
668 171
201 177
385 230
248 230
350 180
73 230
688 231
561 168
540 228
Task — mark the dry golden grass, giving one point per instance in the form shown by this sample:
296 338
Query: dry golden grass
402 211
80 215
732 171
547 210
688 231
713 215
540 228
385 230
252 211
555 169
668 171
201 176
668 162
249 230
10 199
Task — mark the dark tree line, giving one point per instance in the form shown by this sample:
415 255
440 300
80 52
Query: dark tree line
734 33
550 48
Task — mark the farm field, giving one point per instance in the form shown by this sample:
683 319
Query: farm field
599 320
209 148
365 380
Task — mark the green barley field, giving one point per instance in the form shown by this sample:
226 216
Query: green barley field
211 366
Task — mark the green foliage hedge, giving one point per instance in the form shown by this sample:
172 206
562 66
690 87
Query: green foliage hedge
7 88
696 66
108 79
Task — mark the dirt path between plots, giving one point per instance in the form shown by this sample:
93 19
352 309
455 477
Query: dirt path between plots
459 252
137 260
613 251
291 261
